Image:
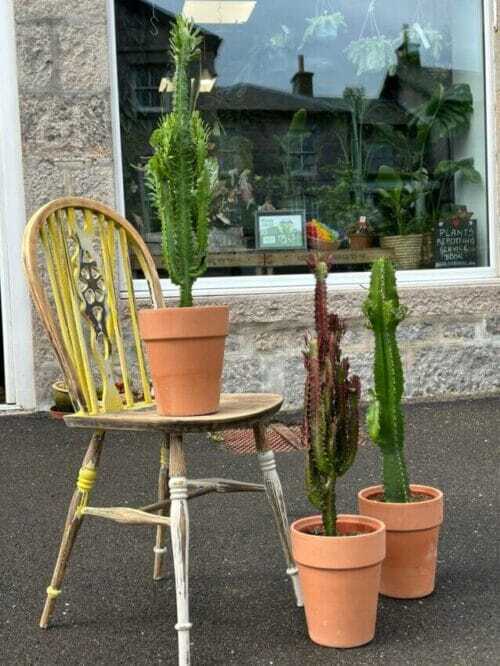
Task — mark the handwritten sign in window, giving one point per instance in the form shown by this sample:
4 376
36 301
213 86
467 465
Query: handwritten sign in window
456 244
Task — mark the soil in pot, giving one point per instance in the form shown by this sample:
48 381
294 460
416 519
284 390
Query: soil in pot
340 578
409 570
185 348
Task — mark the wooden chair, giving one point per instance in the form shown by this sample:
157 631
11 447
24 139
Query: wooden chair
85 298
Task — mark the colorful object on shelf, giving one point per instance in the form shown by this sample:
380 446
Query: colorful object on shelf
321 237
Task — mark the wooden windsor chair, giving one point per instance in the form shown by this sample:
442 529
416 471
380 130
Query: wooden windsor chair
85 248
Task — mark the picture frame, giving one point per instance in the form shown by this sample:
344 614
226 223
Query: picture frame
280 230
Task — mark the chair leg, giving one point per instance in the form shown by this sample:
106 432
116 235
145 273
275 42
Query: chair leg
86 478
163 493
274 492
179 530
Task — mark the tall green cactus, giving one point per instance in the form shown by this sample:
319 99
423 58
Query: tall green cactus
180 174
385 418
331 412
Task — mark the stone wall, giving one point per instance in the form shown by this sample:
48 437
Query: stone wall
64 92
450 343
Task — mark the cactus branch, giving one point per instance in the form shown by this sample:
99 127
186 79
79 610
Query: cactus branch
331 416
180 174
385 418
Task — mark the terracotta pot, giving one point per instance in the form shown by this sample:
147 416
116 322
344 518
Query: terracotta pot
360 242
185 348
340 578
407 250
409 570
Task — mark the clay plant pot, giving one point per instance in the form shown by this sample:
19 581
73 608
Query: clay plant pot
360 241
340 578
409 570
185 348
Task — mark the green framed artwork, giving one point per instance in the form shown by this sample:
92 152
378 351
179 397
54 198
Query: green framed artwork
280 230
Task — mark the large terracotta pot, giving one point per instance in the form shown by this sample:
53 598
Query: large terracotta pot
409 570
185 348
407 250
340 578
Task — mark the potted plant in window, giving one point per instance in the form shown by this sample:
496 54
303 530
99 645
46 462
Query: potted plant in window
185 345
338 556
397 200
360 234
412 513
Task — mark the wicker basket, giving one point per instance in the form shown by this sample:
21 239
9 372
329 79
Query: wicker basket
407 250
323 245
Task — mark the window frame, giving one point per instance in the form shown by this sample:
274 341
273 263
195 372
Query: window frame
272 284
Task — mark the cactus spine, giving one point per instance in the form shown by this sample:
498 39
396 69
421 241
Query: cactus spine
180 174
331 412
385 418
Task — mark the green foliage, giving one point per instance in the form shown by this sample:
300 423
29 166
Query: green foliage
371 54
331 412
180 174
323 26
385 418
398 201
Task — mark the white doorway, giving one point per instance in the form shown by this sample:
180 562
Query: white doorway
16 339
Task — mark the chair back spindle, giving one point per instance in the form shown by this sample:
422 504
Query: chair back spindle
77 258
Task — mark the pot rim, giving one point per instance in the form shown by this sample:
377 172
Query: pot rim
185 309
346 518
435 495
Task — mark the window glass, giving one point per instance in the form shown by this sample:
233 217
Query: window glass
353 126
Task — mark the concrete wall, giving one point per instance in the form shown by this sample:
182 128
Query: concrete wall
450 343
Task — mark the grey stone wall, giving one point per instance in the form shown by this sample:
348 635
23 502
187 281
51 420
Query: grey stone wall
450 342
64 91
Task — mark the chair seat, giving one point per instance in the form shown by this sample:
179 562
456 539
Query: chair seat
237 410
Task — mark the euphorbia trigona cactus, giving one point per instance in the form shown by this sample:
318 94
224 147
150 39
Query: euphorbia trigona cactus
331 416
385 419
180 174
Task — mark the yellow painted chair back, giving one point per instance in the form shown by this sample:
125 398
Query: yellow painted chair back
77 258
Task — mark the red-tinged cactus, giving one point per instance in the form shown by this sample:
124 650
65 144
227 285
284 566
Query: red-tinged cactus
331 405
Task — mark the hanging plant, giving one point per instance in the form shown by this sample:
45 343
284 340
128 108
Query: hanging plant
323 26
372 54
432 40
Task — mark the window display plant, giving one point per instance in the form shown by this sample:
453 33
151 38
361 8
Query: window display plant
338 556
185 345
412 513
360 234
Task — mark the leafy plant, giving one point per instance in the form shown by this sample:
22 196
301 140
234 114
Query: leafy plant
430 38
331 412
180 174
444 115
372 54
397 199
323 26
385 418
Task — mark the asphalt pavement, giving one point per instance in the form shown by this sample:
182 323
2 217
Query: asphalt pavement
242 608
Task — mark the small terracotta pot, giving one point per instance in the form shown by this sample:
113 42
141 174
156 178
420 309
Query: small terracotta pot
360 242
185 348
409 570
340 578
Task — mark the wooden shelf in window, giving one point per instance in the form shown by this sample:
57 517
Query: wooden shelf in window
264 261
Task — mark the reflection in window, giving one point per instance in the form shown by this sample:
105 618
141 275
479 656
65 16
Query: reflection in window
364 119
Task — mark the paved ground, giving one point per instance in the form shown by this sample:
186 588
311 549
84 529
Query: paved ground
111 612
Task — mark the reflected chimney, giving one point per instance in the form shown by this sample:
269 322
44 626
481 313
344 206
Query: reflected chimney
302 81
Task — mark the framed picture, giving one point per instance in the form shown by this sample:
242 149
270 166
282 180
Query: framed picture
280 230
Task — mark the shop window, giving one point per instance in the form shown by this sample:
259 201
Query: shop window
365 122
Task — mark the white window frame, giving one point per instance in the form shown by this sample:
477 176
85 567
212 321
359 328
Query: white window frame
264 284
16 307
